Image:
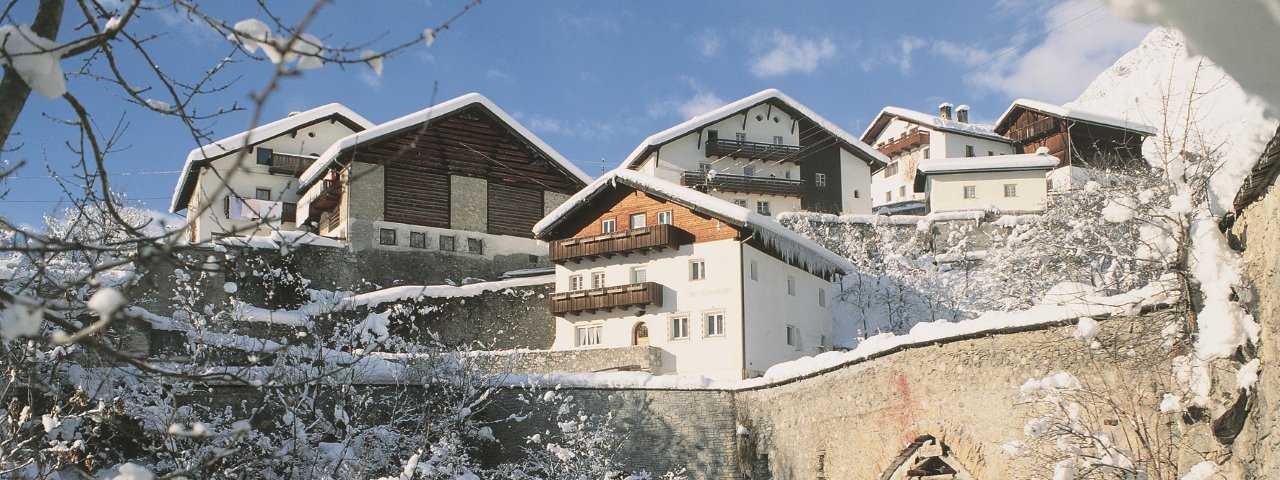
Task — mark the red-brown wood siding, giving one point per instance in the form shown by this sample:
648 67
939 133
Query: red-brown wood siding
513 210
622 202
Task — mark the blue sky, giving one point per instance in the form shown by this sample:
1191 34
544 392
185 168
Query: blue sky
595 78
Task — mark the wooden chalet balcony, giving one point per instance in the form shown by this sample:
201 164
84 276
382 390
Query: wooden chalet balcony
754 150
622 242
905 142
606 299
1034 129
285 164
741 183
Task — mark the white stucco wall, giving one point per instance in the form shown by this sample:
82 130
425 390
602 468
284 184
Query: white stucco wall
942 144
494 245
855 180
243 176
946 191
770 309
718 357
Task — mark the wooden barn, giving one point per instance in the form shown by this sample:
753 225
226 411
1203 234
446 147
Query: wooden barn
462 176
1079 139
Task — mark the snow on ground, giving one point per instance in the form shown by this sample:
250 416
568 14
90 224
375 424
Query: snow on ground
923 333
282 240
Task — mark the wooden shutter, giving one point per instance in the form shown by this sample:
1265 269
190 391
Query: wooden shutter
513 210
416 195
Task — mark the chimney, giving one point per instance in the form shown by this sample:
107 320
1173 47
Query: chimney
944 111
962 114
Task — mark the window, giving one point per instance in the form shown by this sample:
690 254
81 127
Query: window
777 140
1010 189
749 171
791 285
892 169
822 297
755 270
588 335
679 327
697 269
857 194
887 196
762 207
786 174
714 323
970 191
575 283
664 217
991 153
637 220
819 179
417 239
968 150
608 226
741 136
262 194
822 343
448 243
264 156
793 336
639 275
475 245
386 236
902 191
741 202
704 168
597 279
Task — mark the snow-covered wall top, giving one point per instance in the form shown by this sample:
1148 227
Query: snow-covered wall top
931 121
791 245
330 156
255 136
700 121
1041 160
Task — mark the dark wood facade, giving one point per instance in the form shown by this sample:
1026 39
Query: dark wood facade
821 155
623 242
725 182
469 142
607 298
1075 142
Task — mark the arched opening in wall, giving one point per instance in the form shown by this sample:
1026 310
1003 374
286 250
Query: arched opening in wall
926 458
640 334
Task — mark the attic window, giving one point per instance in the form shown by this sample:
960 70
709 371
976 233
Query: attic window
264 156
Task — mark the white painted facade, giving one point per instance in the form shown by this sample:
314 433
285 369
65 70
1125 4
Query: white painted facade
946 191
756 312
889 188
763 124
856 181
243 177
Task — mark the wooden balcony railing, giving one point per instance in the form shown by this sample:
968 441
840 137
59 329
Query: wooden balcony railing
741 183
606 299
327 201
903 143
623 242
1034 129
285 164
754 150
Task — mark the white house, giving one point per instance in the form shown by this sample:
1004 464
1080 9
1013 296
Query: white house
721 290
248 182
462 179
907 137
1008 183
766 152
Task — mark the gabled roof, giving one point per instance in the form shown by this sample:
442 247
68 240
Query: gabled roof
1263 175
207 153
1006 120
789 244
933 122
862 150
330 157
1041 160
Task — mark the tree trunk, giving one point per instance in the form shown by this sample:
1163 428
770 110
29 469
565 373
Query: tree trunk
14 91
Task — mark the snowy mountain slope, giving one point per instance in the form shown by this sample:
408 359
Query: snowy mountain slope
1225 118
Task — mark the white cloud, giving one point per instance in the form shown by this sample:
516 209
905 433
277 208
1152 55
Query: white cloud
544 125
708 43
701 101
902 58
369 79
495 74
1084 41
783 54
605 23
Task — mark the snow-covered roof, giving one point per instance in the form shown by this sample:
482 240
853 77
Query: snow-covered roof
330 156
789 244
1041 160
931 121
866 152
1003 124
226 146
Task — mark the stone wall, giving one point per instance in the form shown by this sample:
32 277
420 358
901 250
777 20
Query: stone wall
626 359
1257 234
